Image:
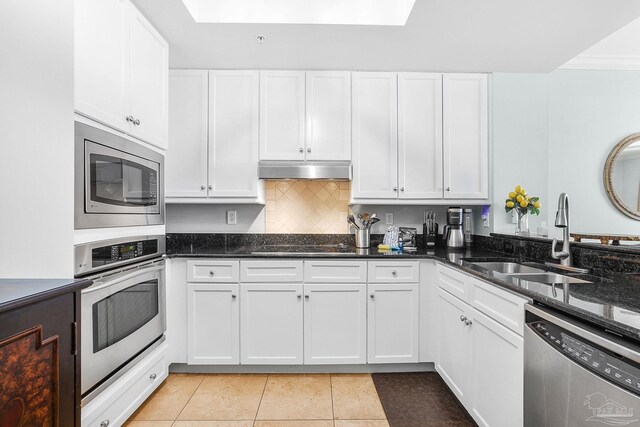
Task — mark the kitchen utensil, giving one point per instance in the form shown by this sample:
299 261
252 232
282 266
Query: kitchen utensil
363 238
352 221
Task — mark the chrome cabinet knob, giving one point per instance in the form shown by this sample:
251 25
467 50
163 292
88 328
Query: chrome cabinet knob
234 296
104 423
448 188
211 273
153 376
394 272
306 296
299 296
463 317
468 322
130 120
210 187
372 296
395 188
202 187
309 150
301 150
401 188
136 122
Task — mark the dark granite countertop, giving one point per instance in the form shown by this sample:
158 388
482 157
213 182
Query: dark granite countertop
611 301
15 293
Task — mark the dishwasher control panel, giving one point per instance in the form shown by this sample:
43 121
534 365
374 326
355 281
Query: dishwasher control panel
605 363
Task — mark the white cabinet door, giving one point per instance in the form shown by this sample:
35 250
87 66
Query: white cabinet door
420 136
335 326
328 108
497 374
282 115
375 135
271 328
186 161
101 34
393 323
213 324
233 133
453 356
148 82
465 119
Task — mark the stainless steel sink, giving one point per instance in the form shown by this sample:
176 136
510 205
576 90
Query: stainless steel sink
508 267
549 278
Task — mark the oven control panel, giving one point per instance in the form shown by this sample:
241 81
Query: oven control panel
120 252
609 366
127 251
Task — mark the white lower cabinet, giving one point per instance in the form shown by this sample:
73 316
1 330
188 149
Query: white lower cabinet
392 324
271 324
213 324
335 324
117 402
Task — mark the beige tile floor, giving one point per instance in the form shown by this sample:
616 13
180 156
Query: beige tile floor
275 400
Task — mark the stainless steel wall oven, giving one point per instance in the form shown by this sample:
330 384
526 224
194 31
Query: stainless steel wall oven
117 181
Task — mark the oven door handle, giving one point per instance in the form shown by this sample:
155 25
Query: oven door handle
121 277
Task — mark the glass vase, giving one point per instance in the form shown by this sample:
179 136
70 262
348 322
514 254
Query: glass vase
522 226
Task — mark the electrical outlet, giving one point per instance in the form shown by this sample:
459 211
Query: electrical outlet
514 217
232 217
485 216
388 218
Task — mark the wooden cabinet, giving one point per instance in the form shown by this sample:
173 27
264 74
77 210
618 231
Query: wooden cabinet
335 325
213 324
393 319
328 115
271 324
214 135
375 135
465 136
420 136
121 69
282 115
186 162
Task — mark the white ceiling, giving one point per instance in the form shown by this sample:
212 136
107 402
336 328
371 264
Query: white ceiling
440 35
351 12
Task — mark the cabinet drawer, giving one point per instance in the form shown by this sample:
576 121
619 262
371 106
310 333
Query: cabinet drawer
454 282
335 271
116 403
219 271
503 306
393 272
270 271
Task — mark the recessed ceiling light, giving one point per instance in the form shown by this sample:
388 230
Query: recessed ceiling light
337 12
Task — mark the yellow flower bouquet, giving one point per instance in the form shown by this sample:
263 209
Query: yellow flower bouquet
523 204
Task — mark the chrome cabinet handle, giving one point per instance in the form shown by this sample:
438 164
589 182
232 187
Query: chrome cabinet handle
136 122
104 423
463 317
301 149
130 120
468 322
153 376
202 187
309 150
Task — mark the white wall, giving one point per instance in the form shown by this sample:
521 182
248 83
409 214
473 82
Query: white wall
36 138
520 134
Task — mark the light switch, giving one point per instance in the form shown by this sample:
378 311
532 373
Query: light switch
388 218
232 217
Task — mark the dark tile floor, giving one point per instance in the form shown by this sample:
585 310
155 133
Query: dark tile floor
419 399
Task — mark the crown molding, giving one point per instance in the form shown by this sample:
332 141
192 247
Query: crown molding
603 62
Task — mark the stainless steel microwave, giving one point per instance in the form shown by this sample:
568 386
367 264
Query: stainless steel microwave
118 182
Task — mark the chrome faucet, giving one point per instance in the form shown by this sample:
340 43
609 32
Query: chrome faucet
562 221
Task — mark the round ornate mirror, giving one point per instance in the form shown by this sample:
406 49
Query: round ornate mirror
622 176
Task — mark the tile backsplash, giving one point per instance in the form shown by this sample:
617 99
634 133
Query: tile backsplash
307 206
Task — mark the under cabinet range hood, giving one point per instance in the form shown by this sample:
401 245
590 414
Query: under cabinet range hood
340 171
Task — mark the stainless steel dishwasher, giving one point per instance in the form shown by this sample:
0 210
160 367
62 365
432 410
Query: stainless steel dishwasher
576 374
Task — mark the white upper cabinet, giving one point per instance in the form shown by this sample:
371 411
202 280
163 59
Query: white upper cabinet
375 135
420 136
328 108
121 69
186 161
101 75
282 115
233 133
149 80
465 121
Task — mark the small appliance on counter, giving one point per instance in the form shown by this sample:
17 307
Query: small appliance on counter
467 226
429 230
407 236
453 231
